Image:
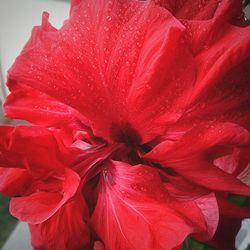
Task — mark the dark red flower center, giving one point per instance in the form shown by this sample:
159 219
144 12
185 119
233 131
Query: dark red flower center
123 132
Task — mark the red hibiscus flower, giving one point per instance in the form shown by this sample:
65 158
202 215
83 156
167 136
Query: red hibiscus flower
140 125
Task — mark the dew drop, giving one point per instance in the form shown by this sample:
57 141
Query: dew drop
143 189
109 18
127 63
106 28
138 44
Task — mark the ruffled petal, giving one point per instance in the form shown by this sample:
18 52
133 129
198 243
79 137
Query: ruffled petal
13 181
193 155
40 206
204 9
220 44
6 156
36 149
25 103
109 54
135 194
220 58
181 189
65 230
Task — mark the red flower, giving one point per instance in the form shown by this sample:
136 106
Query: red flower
145 109
34 167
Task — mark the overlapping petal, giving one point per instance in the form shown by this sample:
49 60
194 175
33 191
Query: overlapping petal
41 205
133 199
193 155
220 42
13 181
34 148
33 106
204 9
119 79
37 165
67 229
109 54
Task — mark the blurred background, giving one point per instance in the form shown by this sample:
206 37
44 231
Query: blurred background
17 17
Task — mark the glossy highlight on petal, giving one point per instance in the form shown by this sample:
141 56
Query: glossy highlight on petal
196 162
136 194
40 206
65 230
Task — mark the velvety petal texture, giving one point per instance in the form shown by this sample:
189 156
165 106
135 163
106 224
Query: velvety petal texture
13 181
65 230
194 154
105 60
203 9
139 126
31 105
40 172
133 198
32 148
38 207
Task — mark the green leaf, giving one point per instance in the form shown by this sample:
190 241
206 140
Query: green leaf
246 2
7 222
192 244
240 200
185 245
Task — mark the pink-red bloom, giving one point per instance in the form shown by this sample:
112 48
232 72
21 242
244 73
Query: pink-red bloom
140 125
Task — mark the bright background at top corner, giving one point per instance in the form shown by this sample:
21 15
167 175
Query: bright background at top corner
17 17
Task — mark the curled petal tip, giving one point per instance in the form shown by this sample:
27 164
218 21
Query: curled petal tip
46 25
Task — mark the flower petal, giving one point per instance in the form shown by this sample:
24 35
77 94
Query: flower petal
134 194
203 9
13 181
98 246
34 148
221 52
192 156
181 189
65 230
25 103
209 208
35 208
91 63
40 206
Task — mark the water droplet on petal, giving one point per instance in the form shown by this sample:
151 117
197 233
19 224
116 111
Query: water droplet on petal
109 18
106 28
143 189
